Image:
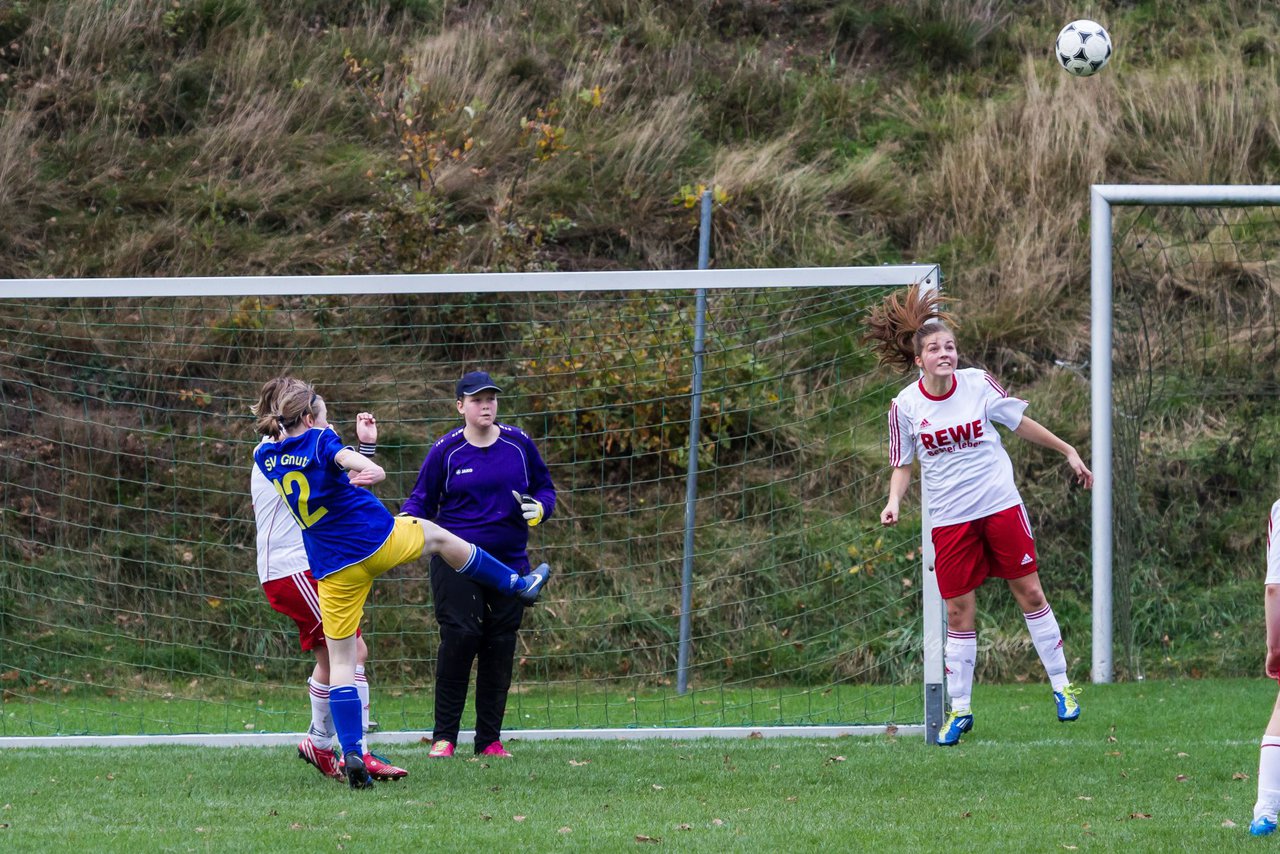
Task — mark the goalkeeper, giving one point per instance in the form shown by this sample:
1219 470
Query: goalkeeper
351 539
292 590
487 482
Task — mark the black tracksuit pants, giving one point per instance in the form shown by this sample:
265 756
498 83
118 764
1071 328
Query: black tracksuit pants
477 624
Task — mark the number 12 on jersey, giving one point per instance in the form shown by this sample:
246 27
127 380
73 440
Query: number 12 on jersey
285 486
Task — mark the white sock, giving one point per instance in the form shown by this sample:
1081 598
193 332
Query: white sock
1047 638
362 687
321 721
1268 778
960 656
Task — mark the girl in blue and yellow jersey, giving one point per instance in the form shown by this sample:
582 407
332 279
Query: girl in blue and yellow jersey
351 539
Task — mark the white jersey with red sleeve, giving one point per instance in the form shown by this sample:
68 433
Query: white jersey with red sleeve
966 472
1273 545
280 549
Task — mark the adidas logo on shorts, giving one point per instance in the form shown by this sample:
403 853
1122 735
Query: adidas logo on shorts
1026 559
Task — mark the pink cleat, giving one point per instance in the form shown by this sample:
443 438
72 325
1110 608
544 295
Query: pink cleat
496 749
380 769
441 749
321 758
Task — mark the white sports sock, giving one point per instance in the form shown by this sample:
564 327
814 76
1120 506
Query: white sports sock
1047 638
1268 777
960 656
362 686
321 721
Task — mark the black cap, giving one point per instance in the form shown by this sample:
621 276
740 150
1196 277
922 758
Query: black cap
474 383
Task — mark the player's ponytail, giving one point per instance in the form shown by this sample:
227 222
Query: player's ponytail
282 404
897 327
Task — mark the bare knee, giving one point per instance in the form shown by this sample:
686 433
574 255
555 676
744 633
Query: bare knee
1028 593
342 660
433 537
960 613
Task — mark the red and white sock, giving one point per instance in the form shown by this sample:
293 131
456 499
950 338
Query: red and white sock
321 729
1047 638
960 656
1268 778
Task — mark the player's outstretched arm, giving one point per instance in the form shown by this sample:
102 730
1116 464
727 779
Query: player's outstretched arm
1038 434
898 483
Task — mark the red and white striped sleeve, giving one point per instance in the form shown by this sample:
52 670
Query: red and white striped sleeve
902 442
1001 408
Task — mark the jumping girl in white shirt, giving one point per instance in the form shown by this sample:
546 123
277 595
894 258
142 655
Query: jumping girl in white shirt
946 420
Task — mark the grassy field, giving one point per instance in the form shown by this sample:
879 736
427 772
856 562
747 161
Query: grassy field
1152 766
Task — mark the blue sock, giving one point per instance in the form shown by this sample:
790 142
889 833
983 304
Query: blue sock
491 572
347 712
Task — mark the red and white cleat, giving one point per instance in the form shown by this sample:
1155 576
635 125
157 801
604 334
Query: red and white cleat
322 759
380 769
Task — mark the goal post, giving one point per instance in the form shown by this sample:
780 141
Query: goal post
130 609
1211 246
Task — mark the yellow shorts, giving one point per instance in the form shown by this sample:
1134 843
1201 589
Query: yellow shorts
343 593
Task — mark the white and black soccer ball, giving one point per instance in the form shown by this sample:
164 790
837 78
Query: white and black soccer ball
1083 47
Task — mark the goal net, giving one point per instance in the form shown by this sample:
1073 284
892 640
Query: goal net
1185 278
129 600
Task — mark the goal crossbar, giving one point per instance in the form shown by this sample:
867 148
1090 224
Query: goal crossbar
465 283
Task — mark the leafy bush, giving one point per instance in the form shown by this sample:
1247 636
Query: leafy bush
647 353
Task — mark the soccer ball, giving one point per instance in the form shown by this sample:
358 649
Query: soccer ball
1083 47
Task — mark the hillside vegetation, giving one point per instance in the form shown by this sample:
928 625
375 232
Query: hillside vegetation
234 137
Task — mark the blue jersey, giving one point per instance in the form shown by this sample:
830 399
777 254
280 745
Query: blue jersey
341 524
466 490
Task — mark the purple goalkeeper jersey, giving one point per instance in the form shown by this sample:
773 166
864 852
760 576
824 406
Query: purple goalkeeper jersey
467 491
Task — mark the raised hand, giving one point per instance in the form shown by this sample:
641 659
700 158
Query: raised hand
366 428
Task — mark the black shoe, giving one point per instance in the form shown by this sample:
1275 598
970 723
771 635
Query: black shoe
536 581
357 775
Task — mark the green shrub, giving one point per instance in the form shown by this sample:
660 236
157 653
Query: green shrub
647 354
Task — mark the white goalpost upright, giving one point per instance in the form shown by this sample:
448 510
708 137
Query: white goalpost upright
1103 198
777 531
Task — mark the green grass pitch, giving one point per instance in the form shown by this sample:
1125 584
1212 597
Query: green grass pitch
1153 766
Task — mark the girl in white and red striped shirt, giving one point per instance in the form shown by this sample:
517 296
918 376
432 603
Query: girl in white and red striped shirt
946 420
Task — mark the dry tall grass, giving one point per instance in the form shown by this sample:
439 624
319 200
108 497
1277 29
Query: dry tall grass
1012 182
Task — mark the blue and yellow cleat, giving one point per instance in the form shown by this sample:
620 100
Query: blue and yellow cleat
956 725
1068 703
1262 826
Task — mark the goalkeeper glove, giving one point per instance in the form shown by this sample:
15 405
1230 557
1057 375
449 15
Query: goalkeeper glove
530 507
